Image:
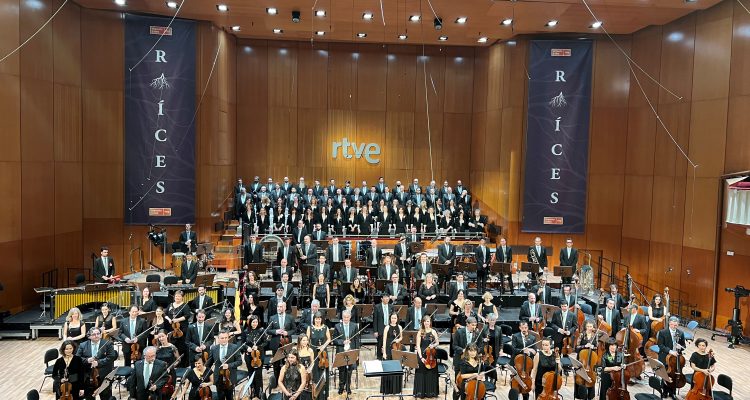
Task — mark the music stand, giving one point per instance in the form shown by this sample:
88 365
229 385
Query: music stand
405 358
441 269
401 310
106 382
530 267
464 267
548 310
258 268
409 338
436 309
282 352
321 244
501 268
380 285
362 270
578 367
364 310
416 247
659 369
206 280
562 271
346 359
327 313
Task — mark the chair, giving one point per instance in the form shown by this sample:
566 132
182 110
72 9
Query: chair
692 326
655 383
507 333
153 278
49 356
170 280
33 394
442 355
726 382
80 279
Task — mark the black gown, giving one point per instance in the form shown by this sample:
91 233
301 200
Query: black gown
546 364
424 291
73 332
466 368
321 294
390 384
196 381
166 354
73 372
257 338
317 339
426 379
183 310
608 360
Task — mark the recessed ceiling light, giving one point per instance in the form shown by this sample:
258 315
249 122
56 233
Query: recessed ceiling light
367 16
120 2
507 21
320 13
320 33
596 25
222 7
482 39
552 23
461 20
443 38
403 37
690 1
414 18
361 35
172 4
511 42
272 11
278 31
236 28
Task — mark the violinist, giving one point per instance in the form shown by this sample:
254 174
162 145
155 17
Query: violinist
230 324
130 329
380 315
564 324
469 367
306 356
344 332
396 291
148 375
74 329
356 289
701 360
160 324
531 311
99 359
523 343
588 339
670 341
106 321
199 377
392 335
464 337
68 369
544 361
147 301
200 336
319 335
428 290
293 379
253 308
280 327
202 300
255 340
177 315
611 361
225 357
426 379
166 352
487 307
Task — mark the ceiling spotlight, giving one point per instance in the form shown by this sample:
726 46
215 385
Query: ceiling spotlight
482 39
552 23
690 1
461 20
272 11
507 21
222 7
438 24
367 16
295 16
236 28
511 42
361 35
443 38
596 25
402 37
415 18
320 33
120 2
172 4
320 13
278 31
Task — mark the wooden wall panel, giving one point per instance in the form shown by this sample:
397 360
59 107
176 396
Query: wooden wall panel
252 108
713 49
402 71
371 66
433 63
459 80
313 75
342 76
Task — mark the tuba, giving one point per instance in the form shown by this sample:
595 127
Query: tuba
270 245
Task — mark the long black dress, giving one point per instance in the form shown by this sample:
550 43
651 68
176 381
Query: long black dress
166 354
73 372
608 360
257 338
75 331
426 379
391 384
321 294
195 382
546 364
305 361
183 310
293 380
317 339
424 291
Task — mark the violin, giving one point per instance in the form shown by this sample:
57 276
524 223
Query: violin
256 361
66 388
703 385
168 389
135 351
552 382
176 331
323 362
430 356
204 393
225 380
675 363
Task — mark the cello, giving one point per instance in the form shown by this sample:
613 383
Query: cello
552 381
589 358
703 384
658 325
675 363
523 365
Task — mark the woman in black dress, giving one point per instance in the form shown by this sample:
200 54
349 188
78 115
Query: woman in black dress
470 367
319 335
306 357
263 221
68 368
357 290
386 221
179 312
160 324
425 379
197 377
428 290
74 328
106 321
487 307
430 221
322 291
352 222
254 309
255 339
391 335
230 324
544 361
167 352
702 360
587 340
657 311
365 222
293 378
401 220
147 301
279 220
337 221
611 361
348 305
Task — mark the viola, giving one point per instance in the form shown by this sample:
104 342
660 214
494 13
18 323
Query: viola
430 356
256 361
225 380
675 363
323 361
135 351
176 331
703 385
94 377
204 393
552 382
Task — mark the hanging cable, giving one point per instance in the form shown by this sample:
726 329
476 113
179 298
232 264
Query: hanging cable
34 34
159 38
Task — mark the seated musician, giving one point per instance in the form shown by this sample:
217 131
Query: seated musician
130 333
283 268
666 339
469 366
98 355
531 311
202 300
225 356
587 340
188 240
702 360
348 273
395 290
464 337
189 269
422 268
255 340
611 362
414 315
387 269
543 291
148 376
104 267
200 336
564 324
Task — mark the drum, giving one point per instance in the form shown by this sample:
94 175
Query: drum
177 259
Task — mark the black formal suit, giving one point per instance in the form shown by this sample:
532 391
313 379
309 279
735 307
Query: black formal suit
340 256
620 302
288 293
239 203
641 324
615 318
526 313
195 304
571 324
233 359
189 271
290 253
277 272
545 297
105 357
348 276
288 324
310 250
446 255
402 250
273 302
412 322
461 340
541 257
666 342
341 334
298 234
384 273
482 255
319 234
100 271
139 387
453 289
569 260
127 333
402 197
399 292
379 322
420 270
253 253
324 269
192 237
306 320
519 342
505 255
413 238
570 299
374 255
195 339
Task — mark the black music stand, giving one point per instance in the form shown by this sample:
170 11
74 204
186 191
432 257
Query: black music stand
562 271
409 337
364 310
282 352
533 270
380 285
327 313
346 359
406 358
206 280
258 268
388 368
416 247
321 244
362 271
401 310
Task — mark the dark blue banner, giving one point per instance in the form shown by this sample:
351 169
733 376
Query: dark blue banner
557 136
159 120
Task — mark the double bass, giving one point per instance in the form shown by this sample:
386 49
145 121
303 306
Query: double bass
552 381
658 325
703 385
620 378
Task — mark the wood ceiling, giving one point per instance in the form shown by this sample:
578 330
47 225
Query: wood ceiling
343 19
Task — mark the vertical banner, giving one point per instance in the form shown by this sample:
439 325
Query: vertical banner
159 129
557 136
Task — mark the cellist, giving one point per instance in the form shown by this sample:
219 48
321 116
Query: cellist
701 360
611 361
522 343
545 361
669 340
470 367
588 339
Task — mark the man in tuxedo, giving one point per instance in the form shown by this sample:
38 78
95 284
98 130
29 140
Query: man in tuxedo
402 197
322 268
504 254
309 251
464 336
255 186
188 239
422 268
464 199
543 291
432 197
339 197
446 252
531 311
460 187
225 355
200 335
372 195
387 269
418 197
387 195
299 232
308 197
347 190
482 256
97 353
380 319
238 186
280 325
611 315
148 375
670 341
569 258
620 302
287 289
286 186
301 186
331 186
202 300
413 236
317 189
277 193
239 202
253 251
308 316
348 273
396 291
104 267
402 254
538 252
380 187
273 302
374 254
564 324
335 251
457 286
344 332
522 340
189 270
282 269
448 196
414 315
414 186
639 322
318 232
568 297
130 328
286 253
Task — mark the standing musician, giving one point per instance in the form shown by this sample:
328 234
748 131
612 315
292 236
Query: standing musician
159 323
447 252
348 274
537 254
392 334
428 290
380 321
308 251
129 331
74 329
225 357
148 375
104 267
281 326
189 269
620 302
657 311
531 311
188 240
493 336
335 251
610 315
202 300
387 269
414 315
587 340
611 361
458 286
198 377
374 255
464 337
504 254
166 352
564 324
148 303
253 252
402 253
670 341
179 313
702 360
322 291
255 340
422 268
200 336
569 258
545 361
466 312
348 305
308 315
522 340
482 255
283 268
486 307
68 369
273 302
98 356
287 289
293 378
322 268
319 335
469 367
395 290
426 379
287 252
106 321
344 331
